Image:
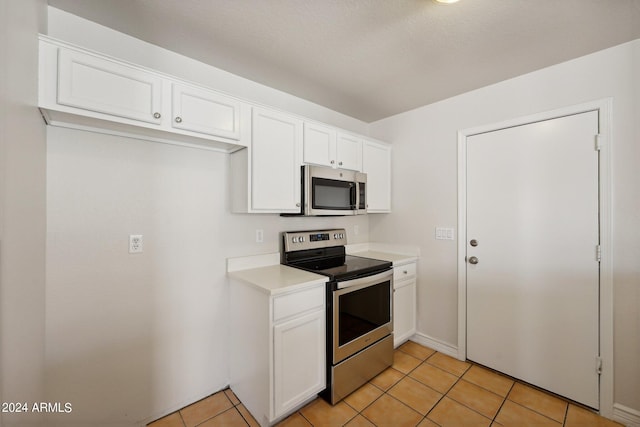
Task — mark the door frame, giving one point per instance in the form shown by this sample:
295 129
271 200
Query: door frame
604 108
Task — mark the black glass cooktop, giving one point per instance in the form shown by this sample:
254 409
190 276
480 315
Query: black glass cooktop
337 265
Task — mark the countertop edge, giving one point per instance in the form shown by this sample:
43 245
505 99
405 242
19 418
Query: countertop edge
269 279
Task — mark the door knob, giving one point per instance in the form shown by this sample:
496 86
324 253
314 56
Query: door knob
473 260
473 242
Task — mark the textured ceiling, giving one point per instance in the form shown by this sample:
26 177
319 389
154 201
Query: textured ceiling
371 59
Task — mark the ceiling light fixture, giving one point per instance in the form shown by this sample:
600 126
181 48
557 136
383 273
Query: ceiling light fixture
446 1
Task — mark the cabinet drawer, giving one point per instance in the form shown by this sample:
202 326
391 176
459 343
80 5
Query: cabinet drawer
298 302
404 271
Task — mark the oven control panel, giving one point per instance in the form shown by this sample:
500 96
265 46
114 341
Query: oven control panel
300 240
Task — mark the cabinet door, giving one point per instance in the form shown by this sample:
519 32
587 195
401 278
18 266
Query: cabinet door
376 163
204 111
404 311
108 87
349 152
276 157
319 145
299 360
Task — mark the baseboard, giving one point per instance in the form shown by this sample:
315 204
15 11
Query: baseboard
627 416
442 347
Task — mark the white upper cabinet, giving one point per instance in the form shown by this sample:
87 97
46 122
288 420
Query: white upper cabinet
82 89
276 157
328 146
319 145
201 110
91 83
349 151
376 163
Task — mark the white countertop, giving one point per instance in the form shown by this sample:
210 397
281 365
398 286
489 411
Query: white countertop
272 279
396 259
397 254
265 273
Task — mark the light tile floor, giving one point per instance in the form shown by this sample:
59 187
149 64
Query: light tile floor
422 388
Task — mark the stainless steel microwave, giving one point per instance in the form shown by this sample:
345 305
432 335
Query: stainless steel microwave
331 192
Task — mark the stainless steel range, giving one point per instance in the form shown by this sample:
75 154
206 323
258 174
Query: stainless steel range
359 307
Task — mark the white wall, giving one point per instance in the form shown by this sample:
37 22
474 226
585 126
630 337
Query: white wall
22 210
425 152
132 337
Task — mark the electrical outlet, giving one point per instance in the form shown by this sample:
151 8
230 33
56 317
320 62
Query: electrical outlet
135 243
259 236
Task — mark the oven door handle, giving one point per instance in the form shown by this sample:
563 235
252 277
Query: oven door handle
367 279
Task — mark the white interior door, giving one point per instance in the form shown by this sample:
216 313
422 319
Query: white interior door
533 272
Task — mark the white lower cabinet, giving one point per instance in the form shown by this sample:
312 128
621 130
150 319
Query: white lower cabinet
298 359
404 302
277 349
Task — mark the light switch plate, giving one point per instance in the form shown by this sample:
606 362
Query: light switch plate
445 233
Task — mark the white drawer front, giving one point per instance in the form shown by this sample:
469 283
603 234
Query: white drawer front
291 304
404 271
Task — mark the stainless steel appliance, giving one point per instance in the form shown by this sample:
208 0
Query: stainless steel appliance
359 307
329 192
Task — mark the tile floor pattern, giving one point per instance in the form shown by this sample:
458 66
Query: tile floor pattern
422 388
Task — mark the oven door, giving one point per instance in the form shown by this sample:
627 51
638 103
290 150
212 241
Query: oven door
362 313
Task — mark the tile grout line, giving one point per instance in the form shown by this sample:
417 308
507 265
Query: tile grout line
535 412
422 361
241 416
220 413
492 419
566 414
506 396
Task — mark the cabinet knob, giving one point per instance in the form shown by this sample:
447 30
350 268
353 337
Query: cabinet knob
405 272
333 162
340 163
157 115
178 119
297 205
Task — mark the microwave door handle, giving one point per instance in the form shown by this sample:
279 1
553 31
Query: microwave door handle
356 190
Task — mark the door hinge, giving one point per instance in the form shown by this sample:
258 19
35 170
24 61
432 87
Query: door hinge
598 253
598 365
598 142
